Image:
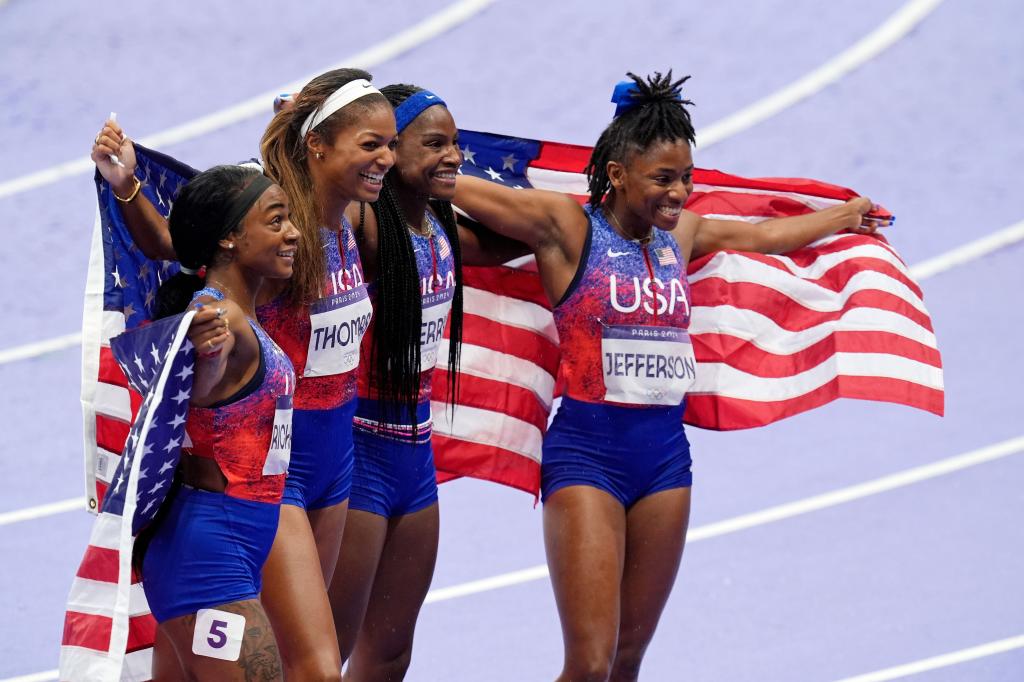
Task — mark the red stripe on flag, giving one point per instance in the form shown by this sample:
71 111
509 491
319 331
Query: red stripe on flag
487 462
522 343
141 632
111 433
736 204
109 371
99 563
746 357
86 630
505 281
102 564
790 314
726 414
568 158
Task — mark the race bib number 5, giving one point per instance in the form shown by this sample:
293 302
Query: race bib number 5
218 634
647 365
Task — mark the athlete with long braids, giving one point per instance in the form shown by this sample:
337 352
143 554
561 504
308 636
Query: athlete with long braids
616 462
331 147
413 250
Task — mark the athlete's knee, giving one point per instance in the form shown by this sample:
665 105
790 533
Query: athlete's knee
376 666
628 657
594 665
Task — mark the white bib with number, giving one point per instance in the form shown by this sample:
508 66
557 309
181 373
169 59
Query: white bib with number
280 452
338 325
647 365
435 314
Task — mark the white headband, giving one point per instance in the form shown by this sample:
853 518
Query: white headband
346 94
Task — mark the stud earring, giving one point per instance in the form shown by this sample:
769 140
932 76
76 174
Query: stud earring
319 156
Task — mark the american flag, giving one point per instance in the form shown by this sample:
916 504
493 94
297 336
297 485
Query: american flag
108 629
774 335
665 256
120 294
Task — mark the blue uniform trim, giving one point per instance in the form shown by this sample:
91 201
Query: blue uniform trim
392 476
581 269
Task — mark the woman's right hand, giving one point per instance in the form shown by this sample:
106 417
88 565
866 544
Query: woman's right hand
209 332
112 140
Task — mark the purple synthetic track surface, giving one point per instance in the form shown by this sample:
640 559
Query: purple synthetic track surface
930 128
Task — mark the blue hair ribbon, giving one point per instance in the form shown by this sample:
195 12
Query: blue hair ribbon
413 106
624 97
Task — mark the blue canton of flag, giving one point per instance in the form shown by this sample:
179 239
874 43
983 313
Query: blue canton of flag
497 158
131 278
159 362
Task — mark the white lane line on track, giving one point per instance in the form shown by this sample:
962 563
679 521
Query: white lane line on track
46 676
935 662
428 29
929 268
745 522
969 252
770 515
868 47
882 38
41 511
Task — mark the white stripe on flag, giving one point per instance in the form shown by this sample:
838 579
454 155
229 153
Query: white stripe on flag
558 181
489 428
509 311
491 364
817 203
97 597
113 401
765 334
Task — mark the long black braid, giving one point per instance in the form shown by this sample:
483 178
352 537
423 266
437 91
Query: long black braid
395 353
660 115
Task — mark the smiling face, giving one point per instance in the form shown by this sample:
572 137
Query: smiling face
354 163
427 158
653 185
267 241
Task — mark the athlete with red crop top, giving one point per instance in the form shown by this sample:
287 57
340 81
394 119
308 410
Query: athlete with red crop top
204 553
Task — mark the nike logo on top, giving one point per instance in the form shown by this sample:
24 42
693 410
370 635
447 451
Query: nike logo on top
616 254
430 96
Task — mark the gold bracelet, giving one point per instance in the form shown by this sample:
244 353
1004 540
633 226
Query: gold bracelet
135 192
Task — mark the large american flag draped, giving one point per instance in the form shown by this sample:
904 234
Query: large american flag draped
108 629
774 335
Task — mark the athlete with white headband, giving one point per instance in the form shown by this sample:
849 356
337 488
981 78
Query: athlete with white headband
615 472
332 147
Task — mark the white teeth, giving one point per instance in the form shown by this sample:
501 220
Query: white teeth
670 211
374 178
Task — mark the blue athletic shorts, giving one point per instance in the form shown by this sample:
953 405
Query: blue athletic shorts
393 475
629 453
320 469
207 551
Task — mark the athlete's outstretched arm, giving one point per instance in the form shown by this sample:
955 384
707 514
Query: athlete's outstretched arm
147 227
481 246
781 235
534 217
